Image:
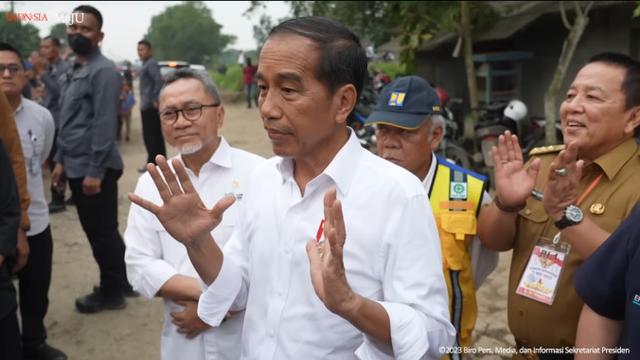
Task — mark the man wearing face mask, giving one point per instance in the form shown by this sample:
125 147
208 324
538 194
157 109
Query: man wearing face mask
88 155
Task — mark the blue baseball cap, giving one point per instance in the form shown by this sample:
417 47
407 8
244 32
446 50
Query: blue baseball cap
405 103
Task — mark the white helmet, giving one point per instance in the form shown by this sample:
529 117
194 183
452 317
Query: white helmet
516 110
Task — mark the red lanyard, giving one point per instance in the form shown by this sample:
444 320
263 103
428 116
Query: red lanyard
320 231
589 189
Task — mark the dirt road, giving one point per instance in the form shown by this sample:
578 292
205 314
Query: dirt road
134 333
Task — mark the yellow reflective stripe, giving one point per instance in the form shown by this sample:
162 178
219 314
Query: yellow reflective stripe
440 188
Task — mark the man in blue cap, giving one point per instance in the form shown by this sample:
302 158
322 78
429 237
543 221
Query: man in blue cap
409 126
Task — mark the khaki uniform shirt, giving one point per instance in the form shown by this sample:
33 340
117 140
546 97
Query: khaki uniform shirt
534 323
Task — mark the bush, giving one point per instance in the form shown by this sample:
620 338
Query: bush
229 81
393 69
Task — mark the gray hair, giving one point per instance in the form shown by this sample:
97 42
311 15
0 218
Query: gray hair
185 73
437 120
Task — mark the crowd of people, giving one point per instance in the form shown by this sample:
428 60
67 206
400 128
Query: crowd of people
325 251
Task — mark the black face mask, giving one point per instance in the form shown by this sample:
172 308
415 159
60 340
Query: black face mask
81 45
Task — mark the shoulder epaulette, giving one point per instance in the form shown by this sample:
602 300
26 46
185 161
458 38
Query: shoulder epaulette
541 150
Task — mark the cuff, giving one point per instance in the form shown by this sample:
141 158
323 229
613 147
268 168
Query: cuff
155 275
412 336
96 172
216 300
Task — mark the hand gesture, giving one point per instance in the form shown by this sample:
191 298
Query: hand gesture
57 176
22 251
325 259
514 182
187 320
182 214
564 180
91 185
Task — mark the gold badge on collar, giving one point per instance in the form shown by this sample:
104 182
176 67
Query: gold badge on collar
597 209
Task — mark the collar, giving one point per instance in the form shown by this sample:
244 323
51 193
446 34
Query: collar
614 160
20 106
340 169
428 180
92 56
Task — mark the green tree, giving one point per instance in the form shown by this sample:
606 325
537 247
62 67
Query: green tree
25 37
59 30
187 32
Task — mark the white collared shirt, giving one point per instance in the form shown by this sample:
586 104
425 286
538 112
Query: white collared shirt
36 129
391 255
153 256
483 261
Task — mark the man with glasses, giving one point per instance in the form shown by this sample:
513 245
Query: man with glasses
157 264
35 128
88 154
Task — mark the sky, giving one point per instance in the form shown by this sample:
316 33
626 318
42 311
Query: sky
125 23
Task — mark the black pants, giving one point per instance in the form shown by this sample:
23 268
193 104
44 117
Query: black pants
152 134
10 345
35 279
99 219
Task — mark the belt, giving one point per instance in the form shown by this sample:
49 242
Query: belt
528 353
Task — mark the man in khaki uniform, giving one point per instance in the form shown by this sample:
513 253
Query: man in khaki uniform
582 193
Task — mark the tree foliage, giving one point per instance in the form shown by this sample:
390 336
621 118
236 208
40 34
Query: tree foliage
380 21
25 37
187 32
59 30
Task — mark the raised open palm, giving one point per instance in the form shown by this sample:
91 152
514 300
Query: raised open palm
514 181
183 214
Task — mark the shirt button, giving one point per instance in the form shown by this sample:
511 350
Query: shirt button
527 212
270 333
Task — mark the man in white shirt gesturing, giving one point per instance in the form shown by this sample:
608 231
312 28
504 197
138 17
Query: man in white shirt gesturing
335 254
191 114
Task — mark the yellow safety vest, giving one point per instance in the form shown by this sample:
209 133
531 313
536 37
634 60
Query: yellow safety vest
455 196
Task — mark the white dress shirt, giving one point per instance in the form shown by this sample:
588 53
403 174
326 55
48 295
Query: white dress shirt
483 260
391 255
153 256
36 128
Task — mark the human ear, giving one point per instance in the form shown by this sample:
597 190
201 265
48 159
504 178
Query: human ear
345 97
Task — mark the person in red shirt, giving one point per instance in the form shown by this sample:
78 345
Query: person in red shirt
249 81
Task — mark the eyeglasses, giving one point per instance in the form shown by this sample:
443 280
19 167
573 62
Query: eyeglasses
191 112
13 68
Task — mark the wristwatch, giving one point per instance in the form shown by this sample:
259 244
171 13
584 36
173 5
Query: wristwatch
572 216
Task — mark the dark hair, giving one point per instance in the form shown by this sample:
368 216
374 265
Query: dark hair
88 9
187 73
8 47
145 43
341 60
248 61
631 83
54 40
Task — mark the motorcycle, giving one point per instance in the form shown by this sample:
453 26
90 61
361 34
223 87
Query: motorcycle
498 117
366 102
452 145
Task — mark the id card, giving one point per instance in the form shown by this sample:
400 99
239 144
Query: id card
540 279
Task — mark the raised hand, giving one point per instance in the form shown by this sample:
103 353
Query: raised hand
564 180
183 214
326 262
514 182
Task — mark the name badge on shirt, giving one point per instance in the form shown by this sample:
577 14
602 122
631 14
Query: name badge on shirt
540 279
